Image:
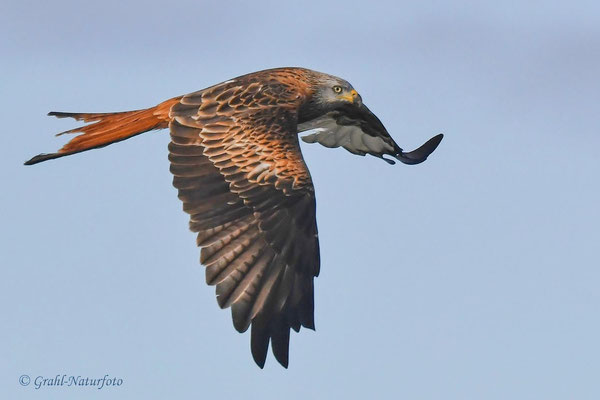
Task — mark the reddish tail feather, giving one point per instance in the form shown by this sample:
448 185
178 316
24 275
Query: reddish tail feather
108 128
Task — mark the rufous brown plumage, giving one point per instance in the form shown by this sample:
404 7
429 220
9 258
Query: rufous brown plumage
239 172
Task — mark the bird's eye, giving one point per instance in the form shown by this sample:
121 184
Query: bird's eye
337 89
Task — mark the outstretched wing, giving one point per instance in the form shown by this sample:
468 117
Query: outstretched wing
360 132
237 166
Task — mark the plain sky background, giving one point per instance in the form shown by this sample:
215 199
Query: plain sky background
474 275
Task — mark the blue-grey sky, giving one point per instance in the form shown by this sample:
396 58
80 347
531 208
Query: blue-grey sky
471 276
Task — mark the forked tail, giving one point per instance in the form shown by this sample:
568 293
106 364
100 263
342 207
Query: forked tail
108 128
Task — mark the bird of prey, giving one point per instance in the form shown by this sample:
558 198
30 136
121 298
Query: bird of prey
238 169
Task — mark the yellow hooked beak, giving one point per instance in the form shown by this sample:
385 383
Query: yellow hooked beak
352 97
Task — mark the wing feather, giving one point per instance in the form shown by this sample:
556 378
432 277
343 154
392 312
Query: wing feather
238 169
359 131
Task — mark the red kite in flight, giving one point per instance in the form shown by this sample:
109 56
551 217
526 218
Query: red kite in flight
237 165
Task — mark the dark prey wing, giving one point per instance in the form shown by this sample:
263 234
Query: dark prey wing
360 132
237 166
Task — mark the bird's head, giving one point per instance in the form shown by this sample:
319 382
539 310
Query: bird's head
333 92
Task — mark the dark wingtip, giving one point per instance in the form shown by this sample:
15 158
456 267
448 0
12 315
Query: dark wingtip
259 343
261 364
310 324
259 357
280 342
282 356
387 160
419 155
